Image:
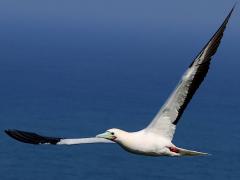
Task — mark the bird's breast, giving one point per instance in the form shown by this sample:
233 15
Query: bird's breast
145 145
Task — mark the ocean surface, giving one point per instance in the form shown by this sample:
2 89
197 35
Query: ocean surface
74 69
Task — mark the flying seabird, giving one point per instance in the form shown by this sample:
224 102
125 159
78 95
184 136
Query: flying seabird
156 138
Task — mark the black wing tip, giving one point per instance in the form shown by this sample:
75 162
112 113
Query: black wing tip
10 132
31 138
218 33
230 13
234 6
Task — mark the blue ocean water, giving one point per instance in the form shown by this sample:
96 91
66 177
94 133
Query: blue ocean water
75 69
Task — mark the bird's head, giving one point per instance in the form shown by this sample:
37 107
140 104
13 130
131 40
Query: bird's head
112 134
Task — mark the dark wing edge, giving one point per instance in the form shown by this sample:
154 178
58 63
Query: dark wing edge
212 45
31 138
203 62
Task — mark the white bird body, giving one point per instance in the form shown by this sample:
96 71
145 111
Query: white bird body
147 143
156 138
142 142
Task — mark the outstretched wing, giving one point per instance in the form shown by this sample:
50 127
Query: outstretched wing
33 138
165 121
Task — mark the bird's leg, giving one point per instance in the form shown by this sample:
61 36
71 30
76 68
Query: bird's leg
173 149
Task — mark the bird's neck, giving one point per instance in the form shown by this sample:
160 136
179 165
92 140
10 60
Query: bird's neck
129 138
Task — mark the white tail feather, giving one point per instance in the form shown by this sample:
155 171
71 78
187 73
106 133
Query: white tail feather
185 152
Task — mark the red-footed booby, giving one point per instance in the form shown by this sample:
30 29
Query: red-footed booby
156 138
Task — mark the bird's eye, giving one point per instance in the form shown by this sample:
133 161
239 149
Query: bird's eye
112 133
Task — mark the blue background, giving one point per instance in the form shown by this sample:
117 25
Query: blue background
76 68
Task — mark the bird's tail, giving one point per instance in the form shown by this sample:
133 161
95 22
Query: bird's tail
185 152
